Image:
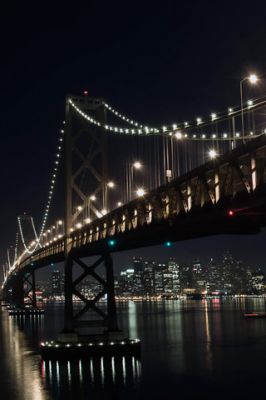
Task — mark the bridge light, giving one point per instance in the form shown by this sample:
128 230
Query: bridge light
168 244
253 79
137 165
119 204
60 222
230 213
78 225
213 116
212 154
111 243
178 135
85 92
104 211
140 192
79 208
230 110
93 198
250 103
199 121
111 184
87 220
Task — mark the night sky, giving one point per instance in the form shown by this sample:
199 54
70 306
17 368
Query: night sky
155 63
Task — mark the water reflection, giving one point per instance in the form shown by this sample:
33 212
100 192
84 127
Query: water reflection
19 367
181 340
91 376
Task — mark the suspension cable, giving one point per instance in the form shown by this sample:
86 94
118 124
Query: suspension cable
175 129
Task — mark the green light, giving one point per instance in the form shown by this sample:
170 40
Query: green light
168 244
111 243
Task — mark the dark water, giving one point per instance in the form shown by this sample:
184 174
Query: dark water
190 350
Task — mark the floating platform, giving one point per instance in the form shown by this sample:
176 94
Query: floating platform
55 350
255 315
26 311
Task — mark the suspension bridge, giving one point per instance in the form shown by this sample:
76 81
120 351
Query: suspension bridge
130 185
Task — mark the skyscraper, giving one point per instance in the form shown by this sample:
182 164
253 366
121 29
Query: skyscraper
56 283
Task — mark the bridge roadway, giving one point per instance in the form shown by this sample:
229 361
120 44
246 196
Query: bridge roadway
224 196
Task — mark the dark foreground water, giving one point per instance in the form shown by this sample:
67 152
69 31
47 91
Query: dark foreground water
190 350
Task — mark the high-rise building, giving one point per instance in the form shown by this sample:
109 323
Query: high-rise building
149 278
159 279
126 282
56 283
174 269
138 264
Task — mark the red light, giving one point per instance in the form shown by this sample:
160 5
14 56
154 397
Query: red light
231 213
85 92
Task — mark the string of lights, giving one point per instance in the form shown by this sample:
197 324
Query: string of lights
123 117
30 249
53 180
34 243
178 130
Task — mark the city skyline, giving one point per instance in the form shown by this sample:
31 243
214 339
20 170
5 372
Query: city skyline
225 275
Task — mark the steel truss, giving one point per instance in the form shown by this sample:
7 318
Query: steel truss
29 288
107 319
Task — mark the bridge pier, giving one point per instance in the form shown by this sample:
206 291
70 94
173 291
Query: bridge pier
29 288
106 316
22 287
17 295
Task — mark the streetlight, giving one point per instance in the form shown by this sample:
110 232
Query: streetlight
137 165
253 79
178 135
111 184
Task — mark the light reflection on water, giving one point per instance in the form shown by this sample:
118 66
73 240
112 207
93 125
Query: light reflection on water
182 342
93 375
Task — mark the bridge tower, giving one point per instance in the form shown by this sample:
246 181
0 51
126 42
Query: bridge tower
86 178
